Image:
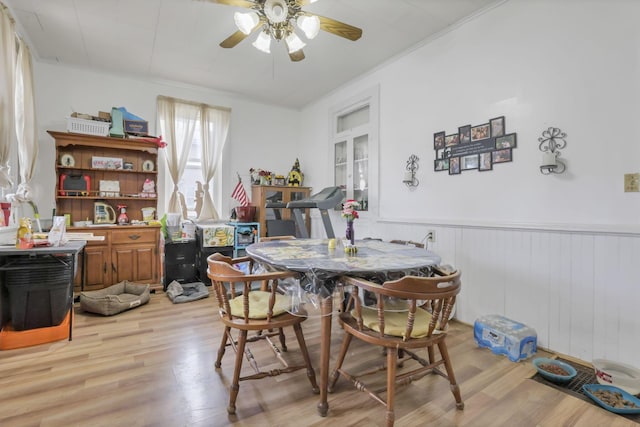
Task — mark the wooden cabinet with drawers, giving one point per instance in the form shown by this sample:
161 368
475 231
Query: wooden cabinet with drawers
126 253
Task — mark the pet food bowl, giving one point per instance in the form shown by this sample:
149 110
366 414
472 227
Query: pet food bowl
542 362
617 374
612 398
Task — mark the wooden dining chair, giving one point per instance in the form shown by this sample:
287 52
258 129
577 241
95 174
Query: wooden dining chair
408 243
421 323
274 238
244 309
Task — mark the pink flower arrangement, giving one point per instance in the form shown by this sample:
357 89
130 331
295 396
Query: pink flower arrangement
349 210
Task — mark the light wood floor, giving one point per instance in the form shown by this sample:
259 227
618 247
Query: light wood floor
153 366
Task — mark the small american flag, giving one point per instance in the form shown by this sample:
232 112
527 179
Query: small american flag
240 195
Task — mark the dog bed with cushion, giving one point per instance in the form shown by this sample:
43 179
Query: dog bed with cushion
115 299
186 292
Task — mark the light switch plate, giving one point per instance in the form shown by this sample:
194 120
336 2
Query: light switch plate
632 182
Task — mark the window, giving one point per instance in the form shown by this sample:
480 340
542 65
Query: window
192 125
355 149
192 174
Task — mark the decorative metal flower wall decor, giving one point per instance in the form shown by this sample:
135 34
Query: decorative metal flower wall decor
551 142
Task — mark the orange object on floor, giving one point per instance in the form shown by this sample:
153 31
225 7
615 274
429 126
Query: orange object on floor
10 339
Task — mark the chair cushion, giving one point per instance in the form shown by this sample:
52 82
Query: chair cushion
395 322
259 305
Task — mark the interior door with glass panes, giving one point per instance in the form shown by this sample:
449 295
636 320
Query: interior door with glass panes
351 155
352 169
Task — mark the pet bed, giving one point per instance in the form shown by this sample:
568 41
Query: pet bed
115 299
185 292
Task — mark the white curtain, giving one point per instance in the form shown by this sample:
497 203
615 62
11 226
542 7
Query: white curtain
215 127
7 79
177 125
26 130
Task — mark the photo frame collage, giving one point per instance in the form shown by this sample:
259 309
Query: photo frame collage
474 147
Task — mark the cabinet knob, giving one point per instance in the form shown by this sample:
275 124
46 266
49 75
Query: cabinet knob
134 236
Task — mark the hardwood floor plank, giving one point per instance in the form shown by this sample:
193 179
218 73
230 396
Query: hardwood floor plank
153 366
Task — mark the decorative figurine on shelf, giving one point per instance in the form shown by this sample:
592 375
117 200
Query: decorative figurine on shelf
148 189
255 176
265 177
123 218
295 176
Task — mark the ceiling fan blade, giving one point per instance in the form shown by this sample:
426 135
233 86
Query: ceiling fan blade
233 39
339 28
296 56
239 3
238 36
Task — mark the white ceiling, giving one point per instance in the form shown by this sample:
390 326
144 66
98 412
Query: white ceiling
177 40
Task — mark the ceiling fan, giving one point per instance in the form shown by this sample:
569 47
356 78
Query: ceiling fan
276 18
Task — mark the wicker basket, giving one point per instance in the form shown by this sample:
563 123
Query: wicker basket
88 127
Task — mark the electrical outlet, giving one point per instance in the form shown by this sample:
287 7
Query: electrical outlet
632 182
431 236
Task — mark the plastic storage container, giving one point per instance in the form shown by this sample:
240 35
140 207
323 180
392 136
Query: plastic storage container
505 336
39 291
88 127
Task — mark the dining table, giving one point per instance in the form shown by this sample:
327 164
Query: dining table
321 262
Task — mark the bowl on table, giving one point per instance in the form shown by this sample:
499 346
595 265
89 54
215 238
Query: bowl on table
617 374
554 370
612 398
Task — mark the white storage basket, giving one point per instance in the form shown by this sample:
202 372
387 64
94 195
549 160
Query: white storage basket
88 127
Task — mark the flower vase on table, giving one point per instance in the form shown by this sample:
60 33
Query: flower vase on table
349 233
350 213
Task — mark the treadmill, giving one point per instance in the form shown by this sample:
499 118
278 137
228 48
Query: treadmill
278 226
324 200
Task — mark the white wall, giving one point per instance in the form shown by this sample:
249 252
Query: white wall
550 251
540 64
258 136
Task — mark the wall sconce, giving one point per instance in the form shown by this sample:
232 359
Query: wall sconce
551 142
410 175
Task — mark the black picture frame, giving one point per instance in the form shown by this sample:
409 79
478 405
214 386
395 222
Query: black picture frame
485 161
451 140
454 166
474 147
438 140
465 134
497 126
440 165
506 141
501 156
480 132
469 162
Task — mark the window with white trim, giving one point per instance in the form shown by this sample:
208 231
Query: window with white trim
354 137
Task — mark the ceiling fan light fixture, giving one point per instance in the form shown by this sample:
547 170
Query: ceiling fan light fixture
246 22
310 25
276 11
263 42
294 43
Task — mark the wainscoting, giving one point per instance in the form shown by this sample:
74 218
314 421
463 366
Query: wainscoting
579 289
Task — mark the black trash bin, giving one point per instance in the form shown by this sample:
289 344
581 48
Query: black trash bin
39 290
